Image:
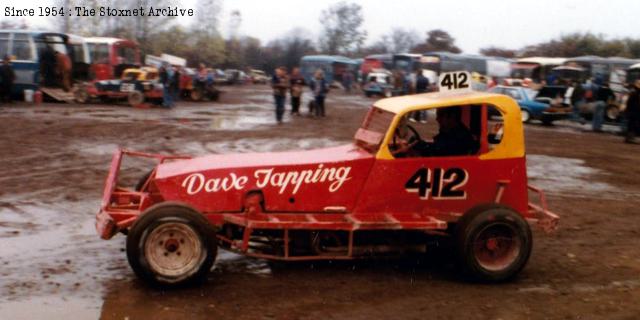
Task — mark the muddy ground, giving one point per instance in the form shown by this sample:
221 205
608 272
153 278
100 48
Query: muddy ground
55 157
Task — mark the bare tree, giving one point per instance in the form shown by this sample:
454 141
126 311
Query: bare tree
342 28
397 41
438 40
207 16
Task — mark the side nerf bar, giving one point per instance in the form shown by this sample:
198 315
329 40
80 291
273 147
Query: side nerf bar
546 220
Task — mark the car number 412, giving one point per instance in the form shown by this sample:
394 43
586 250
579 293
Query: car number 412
455 81
438 183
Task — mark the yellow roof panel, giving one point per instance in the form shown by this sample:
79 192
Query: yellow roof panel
408 103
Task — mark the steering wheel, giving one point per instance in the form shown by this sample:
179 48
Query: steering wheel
413 137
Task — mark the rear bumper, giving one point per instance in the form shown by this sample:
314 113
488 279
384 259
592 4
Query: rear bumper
120 206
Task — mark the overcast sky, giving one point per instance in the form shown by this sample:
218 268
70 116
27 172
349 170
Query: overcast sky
474 24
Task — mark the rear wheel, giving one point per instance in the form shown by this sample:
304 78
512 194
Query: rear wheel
171 245
612 113
135 98
493 243
197 94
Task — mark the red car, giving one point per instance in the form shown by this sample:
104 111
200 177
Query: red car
379 195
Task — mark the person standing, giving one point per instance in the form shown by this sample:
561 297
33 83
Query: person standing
175 85
347 81
422 86
422 82
603 96
319 87
577 101
280 84
165 78
297 84
632 112
63 65
7 77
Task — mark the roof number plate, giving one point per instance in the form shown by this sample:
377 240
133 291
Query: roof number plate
458 81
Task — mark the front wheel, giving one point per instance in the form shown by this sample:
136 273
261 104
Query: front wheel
493 243
171 245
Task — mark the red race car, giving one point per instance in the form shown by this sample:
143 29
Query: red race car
388 192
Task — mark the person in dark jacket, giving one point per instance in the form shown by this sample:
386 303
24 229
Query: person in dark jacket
48 65
280 84
453 138
319 87
175 84
166 74
422 86
632 112
604 95
7 77
577 101
297 83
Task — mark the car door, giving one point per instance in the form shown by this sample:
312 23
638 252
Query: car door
442 184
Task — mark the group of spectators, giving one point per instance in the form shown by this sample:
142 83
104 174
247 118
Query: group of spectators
600 95
294 83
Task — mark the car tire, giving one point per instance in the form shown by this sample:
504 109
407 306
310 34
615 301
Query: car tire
196 94
612 113
525 115
171 245
135 98
493 243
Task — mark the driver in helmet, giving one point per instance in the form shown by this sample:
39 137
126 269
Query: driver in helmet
453 138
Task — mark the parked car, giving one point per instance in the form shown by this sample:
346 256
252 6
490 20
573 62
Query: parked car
137 85
258 76
379 82
547 104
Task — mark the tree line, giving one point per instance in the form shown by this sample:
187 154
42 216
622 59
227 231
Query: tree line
342 33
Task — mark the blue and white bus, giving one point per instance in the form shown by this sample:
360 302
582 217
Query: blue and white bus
26 48
333 66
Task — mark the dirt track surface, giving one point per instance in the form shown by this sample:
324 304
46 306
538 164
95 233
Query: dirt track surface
55 158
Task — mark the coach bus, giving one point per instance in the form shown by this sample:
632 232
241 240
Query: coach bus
535 68
26 50
334 67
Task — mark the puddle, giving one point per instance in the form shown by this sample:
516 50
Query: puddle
57 252
257 145
96 149
563 175
50 308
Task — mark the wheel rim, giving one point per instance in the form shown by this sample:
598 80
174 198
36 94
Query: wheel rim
525 115
497 246
174 250
612 113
